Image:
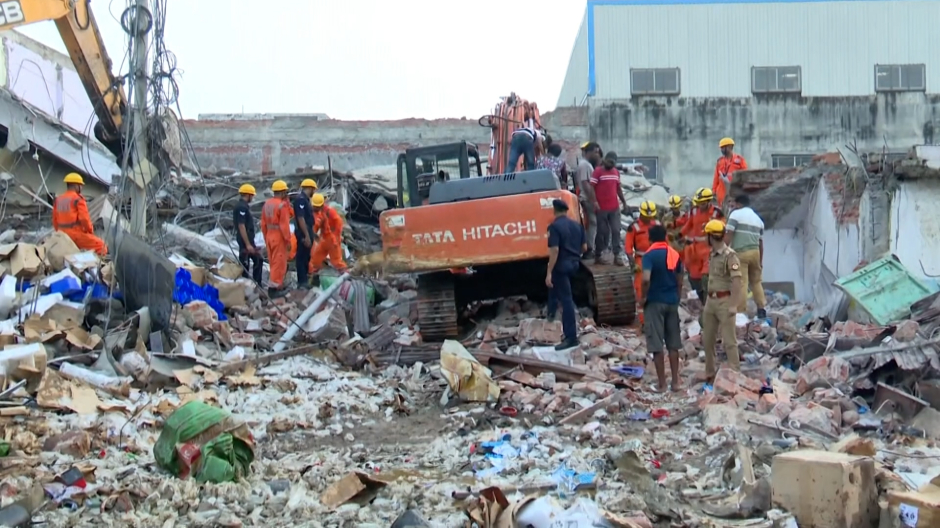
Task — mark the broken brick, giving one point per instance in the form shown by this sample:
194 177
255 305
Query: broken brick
906 331
822 372
766 403
745 398
242 339
817 417
601 389
523 377
534 330
203 316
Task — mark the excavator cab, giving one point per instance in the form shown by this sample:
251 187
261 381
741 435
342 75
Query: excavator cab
421 167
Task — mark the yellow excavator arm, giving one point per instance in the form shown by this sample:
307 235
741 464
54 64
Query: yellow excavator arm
79 32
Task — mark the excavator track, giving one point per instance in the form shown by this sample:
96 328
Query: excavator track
612 295
437 307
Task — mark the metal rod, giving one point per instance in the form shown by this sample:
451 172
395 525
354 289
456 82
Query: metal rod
308 313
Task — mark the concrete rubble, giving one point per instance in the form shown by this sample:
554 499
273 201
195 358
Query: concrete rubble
356 421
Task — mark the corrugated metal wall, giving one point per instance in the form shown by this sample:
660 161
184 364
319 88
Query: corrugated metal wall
836 44
575 87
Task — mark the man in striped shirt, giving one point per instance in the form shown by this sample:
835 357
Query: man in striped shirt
522 144
745 235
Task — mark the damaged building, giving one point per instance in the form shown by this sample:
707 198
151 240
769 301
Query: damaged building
843 211
46 123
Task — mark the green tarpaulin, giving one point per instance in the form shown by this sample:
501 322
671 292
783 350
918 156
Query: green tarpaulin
206 442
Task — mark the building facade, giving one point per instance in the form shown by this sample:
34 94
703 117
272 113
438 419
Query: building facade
749 68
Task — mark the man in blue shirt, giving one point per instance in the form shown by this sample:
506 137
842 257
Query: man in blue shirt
662 289
566 244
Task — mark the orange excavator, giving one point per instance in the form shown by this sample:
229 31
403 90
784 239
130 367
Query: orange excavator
473 238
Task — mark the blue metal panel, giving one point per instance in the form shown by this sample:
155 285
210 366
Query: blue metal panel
591 4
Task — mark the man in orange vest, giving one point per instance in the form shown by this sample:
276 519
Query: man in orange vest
70 215
697 250
636 245
328 225
724 168
275 225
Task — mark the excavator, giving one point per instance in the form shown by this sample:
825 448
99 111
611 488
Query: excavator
471 237
79 31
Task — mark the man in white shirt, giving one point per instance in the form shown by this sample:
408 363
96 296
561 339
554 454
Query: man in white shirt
522 144
745 235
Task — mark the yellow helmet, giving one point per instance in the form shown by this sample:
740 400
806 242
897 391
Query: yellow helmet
675 201
279 186
247 189
647 209
703 195
715 227
308 183
726 142
74 177
318 200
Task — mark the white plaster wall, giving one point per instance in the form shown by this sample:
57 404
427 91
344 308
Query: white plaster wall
825 241
54 89
915 227
783 258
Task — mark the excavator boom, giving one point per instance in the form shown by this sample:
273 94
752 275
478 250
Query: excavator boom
79 32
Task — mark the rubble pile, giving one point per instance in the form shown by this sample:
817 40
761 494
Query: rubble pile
327 407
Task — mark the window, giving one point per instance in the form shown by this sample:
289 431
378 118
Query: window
654 81
776 79
900 78
651 164
785 161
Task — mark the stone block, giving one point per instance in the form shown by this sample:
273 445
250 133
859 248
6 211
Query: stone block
826 490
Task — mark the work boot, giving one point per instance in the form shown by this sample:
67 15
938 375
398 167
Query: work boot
274 293
618 260
567 344
588 255
761 313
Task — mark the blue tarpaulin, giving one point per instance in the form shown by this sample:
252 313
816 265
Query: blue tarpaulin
187 291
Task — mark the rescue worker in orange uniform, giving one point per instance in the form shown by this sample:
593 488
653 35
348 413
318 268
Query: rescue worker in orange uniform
697 250
637 243
275 225
70 215
674 220
724 168
328 226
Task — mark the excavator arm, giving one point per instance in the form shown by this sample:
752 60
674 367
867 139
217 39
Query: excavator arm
511 113
79 32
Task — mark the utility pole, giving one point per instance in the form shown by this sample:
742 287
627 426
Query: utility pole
142 171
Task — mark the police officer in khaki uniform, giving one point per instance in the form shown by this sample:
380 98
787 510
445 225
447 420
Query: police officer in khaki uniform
724 286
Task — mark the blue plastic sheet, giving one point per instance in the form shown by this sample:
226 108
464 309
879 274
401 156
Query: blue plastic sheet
187 291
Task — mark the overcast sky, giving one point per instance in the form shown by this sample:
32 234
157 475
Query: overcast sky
357 59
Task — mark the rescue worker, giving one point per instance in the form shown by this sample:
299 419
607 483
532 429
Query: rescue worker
566 244
696 250
275 225
674 219
328 228
70 216
637 243
724 288
244 223
303 230
724 168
